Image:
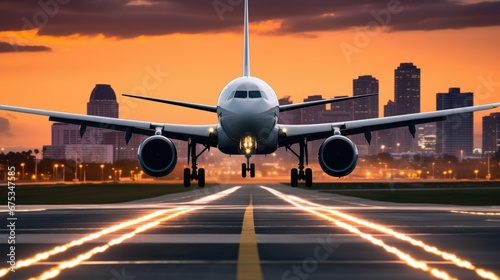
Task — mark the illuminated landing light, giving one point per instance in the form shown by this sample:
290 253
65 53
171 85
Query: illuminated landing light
417 243
52 273
248 144
406 258
477 213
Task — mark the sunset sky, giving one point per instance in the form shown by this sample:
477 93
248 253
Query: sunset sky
52 55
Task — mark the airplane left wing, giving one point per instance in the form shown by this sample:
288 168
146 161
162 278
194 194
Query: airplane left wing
203 134
290 134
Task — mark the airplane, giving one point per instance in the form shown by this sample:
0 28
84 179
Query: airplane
247 111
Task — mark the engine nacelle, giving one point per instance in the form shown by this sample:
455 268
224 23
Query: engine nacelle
338 156
157 156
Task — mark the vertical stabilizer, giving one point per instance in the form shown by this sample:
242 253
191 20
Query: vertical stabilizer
246 45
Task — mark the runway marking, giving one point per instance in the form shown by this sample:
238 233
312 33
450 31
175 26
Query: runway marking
477 213
53 272
417 243
248 255
80 258
408 259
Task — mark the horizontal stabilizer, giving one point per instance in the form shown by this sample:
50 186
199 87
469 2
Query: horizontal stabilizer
290 107
201 107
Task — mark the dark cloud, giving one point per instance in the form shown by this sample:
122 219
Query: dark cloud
6 47
130 18
5 127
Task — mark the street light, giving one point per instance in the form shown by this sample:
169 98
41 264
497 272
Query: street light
22 165
81 166
102 172
433 169
55 167
444 174
64 171
475 172
450 172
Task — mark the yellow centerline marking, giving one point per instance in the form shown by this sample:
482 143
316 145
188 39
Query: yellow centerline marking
248 255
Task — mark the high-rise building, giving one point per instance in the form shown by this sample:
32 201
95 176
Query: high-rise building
312 114
407 99
365 108
288 117
491 133
388 137
455 136
108 146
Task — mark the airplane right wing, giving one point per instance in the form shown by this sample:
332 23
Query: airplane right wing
291 134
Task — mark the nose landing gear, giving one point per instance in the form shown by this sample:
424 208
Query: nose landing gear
245 167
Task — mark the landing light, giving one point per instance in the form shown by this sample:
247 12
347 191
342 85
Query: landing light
248 144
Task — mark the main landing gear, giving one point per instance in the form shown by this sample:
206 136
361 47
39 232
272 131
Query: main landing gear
248 167
194 173
301 174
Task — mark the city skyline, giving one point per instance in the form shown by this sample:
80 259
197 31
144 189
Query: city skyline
193 65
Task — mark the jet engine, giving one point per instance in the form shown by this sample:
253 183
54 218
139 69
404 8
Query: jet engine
157 156
338 156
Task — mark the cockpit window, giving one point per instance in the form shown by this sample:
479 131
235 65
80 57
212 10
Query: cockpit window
254 94
240 94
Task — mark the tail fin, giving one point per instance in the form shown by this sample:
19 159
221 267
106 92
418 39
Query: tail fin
246 45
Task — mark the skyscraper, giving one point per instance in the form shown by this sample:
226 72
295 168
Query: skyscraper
407 99
491 133
107 146
455 136
365 108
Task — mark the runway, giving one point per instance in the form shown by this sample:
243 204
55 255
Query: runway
255 232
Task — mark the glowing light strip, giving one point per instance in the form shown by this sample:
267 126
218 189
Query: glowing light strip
53 272
408 259
477 213
430 249
49 274
62 248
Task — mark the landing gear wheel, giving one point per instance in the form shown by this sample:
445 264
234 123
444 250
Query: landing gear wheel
243 170
252 170
309 177
187 177
201 177
294 180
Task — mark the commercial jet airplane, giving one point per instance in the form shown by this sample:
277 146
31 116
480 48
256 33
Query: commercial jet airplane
247 112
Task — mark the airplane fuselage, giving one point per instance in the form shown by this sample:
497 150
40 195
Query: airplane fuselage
248 111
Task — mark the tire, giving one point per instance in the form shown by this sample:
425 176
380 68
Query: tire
252 170
201 177
294 180
244 170
309 177
187 177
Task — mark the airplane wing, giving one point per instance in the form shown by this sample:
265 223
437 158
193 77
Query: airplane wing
290 107
201 107
291 134
200 133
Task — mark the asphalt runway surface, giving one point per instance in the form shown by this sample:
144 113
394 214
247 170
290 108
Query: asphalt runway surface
254 232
